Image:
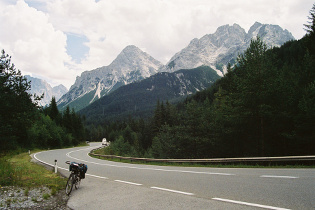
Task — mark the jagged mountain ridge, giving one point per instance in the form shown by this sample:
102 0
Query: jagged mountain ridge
39 87
218 49
139 98
214 50
132 64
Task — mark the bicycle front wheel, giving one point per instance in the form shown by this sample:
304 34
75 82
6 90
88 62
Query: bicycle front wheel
77 183
69 185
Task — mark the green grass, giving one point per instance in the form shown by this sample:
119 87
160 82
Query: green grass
17 170
46 196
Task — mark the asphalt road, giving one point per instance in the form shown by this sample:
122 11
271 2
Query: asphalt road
113 185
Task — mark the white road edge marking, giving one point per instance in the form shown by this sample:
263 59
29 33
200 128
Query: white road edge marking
174 191
274 176
153 169
101 177
249 204
132 183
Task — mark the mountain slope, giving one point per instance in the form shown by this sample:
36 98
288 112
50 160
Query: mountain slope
139 98
218 49
131 65
214 50
39 86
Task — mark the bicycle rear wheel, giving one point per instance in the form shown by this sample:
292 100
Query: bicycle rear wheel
69 185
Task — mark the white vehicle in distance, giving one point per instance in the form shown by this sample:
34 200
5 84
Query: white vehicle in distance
105 142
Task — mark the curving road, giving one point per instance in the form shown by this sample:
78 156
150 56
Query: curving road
115 185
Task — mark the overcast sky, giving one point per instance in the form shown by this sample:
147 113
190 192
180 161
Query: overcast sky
57 40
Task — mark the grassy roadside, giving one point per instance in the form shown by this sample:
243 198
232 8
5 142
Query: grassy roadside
28 185
18 170
107 151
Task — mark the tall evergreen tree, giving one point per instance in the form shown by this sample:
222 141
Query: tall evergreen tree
310 26
251 89
54 112
17 110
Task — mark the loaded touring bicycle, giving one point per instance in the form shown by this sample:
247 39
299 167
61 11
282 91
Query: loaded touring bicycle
78 171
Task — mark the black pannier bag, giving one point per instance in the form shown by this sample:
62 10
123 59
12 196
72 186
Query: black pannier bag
71 166
83 170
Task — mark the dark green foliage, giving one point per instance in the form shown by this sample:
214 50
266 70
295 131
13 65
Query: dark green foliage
53 111
139 99
260 103
16 106
6 172
122 147
56 130
45 133
23 124
310 27
263 106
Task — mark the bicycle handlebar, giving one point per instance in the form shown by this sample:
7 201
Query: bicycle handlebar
75 164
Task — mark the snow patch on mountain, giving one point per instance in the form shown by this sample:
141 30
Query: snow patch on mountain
97 93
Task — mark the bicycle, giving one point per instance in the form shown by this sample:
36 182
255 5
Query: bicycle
77 173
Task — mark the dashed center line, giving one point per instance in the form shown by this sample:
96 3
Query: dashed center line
249 204
180 171
283 177
132 183
174 191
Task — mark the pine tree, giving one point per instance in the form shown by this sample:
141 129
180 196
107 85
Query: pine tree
250 93
157 119
54 112
17 110
310 27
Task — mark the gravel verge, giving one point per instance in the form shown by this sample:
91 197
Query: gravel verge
36 198
12 197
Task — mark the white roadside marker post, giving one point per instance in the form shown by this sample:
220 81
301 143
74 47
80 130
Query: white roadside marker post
56 166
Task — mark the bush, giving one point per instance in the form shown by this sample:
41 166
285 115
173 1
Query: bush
45 133
121 147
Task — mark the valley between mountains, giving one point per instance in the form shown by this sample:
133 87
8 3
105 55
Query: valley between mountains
140 80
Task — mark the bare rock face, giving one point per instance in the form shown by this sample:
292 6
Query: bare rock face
131 65
39 87
213 50
218 49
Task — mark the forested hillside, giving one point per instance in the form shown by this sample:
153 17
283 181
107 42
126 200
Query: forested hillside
263 106
139 99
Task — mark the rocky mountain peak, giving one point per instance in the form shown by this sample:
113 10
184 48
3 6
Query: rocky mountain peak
222 47
131 49
235 28
272 35
132 64
39 87
254 27
132 58
227 35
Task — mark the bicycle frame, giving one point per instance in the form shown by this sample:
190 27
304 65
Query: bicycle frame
74 178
